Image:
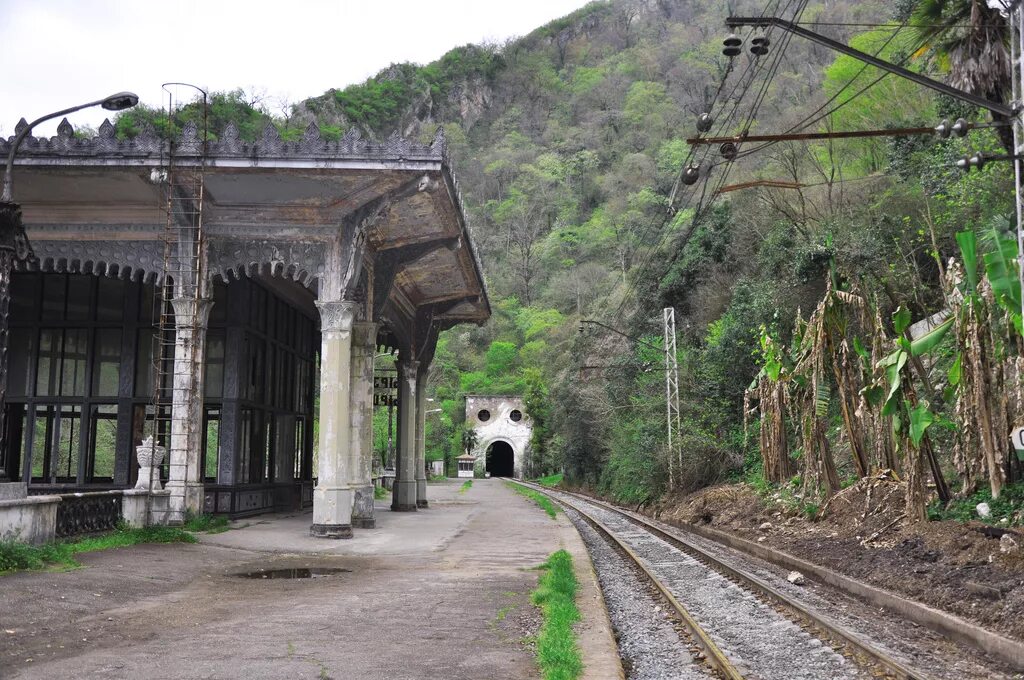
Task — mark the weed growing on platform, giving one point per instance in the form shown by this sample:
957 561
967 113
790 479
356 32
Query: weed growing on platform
465 486
557 651
540 499
211 524
17 556
380 493
551 480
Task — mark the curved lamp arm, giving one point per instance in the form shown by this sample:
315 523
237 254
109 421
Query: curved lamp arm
115 102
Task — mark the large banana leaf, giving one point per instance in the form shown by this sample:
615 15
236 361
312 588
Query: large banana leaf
920 418
969 250
927 342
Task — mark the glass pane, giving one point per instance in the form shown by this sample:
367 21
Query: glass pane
271 306
144 364
13 438
106 368
79 296
73 364
214 387
218 313
300 429
48 362
104 443
42 432
243 445
24 302
19 345
68 442
211 444
53 297
146 303
110 299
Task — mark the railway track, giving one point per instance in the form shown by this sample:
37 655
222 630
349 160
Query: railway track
743 626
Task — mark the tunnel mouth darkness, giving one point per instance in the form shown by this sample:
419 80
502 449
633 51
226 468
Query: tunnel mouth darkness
501 460
294 572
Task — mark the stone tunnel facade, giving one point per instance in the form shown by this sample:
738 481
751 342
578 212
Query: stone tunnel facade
499 420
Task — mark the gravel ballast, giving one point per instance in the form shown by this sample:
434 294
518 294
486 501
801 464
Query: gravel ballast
755 637
649 645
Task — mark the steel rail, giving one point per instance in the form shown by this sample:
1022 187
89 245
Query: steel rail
831 630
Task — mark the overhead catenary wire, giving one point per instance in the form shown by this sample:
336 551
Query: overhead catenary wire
754 68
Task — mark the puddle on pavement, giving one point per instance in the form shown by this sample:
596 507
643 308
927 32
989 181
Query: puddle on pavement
300 572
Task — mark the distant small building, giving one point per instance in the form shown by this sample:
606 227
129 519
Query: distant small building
466 462
503 432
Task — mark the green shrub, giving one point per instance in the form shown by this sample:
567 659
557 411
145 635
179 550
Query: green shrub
1009 506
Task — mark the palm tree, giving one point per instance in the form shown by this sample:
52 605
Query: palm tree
974 37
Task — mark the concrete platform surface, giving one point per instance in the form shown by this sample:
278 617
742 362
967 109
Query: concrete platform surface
440 593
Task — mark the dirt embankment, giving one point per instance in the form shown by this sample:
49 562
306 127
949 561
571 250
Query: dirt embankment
861 532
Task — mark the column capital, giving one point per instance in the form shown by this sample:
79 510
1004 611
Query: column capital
337 315
183 310
364 334
408 368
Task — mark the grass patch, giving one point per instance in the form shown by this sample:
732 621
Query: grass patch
16 556
211 524
1009 506
380 493
466 486
540 499
557 652
551 480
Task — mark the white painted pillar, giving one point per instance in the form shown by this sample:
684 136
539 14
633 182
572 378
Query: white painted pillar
404 498
421 433
364 347
185 480
333 496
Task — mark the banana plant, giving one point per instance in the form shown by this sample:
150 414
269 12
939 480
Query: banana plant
986 374
911 415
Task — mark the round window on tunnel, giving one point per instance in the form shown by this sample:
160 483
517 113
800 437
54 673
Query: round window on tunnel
516 415
484 415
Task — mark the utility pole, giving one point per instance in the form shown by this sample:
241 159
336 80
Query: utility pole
1016 11
673 420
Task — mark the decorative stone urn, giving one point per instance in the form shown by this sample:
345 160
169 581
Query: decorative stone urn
150 457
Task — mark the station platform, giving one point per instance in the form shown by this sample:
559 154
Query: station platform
438 593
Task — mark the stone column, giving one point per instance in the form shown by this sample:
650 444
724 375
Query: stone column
333 496
185 480
404 498
364 347
421 434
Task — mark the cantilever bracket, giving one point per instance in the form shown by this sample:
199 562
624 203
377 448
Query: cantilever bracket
762 22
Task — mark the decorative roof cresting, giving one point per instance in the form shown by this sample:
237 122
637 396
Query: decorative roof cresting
229 144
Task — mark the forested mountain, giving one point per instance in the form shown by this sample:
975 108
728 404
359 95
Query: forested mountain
568 143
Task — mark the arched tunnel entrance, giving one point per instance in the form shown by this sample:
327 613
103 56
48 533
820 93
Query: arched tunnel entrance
501 460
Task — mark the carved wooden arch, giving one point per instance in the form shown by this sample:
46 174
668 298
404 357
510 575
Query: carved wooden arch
137 261
303 263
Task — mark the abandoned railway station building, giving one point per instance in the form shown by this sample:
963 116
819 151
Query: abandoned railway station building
188 305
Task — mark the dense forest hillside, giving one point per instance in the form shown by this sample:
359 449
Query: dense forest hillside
792 304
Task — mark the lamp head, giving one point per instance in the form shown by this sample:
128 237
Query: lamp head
120 101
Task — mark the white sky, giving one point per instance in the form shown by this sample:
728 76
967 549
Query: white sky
61 53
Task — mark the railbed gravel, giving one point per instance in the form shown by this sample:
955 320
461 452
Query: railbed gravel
649 645
914 645
757 639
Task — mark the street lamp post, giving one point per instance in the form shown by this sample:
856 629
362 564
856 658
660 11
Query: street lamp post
14 244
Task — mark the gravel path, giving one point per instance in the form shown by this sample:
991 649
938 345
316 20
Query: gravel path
649 645
759 641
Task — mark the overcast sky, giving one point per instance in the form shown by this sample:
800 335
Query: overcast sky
60 53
